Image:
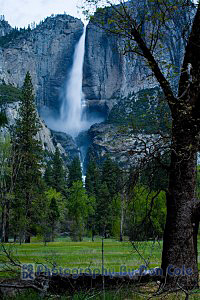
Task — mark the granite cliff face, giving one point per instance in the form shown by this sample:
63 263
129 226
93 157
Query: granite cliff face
110 74
46 52
44 135
123 86
124 146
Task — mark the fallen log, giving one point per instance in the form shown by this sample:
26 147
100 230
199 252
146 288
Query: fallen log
60 284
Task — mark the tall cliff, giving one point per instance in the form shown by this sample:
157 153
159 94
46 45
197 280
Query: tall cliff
121 86
111 73
46 52
121 83
108 74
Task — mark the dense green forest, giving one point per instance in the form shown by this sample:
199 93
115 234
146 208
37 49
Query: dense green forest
42 196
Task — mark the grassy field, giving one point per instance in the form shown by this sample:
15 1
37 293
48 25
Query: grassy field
87 254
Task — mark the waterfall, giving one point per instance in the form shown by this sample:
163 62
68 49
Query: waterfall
71 109
73 116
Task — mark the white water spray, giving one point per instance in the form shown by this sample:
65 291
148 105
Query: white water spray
71 109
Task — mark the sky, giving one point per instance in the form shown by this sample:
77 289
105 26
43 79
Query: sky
20 13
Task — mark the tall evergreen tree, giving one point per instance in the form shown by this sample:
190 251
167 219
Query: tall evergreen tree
55 173
5 184
111 176
48 174
104 210
75 173
53 216
28 159
92 180
80 207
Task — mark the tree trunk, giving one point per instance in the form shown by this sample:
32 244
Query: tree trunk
179 242
93 233
122 217
15 238
27 239
3 224
7 222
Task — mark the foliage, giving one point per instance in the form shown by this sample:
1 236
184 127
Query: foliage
3 119
146 214
9 94
28 159
10 37
5 152
155 173
5 184
55 174
75 173
104 210
92 180
146 110
80 207
111 175
51 211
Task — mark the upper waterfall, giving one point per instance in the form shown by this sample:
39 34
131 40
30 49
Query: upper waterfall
71 108
74 115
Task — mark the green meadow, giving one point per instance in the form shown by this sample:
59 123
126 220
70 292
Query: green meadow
87 254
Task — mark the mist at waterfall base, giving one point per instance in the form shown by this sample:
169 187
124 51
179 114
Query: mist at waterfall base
73 117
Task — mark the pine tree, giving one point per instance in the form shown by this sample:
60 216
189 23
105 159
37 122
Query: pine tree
28 157
48 174
92 180
92 185
3 119
104 210
80 207
111 176
53 216
5 184
55 173
75 173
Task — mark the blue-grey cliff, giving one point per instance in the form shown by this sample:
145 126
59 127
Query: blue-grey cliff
46 52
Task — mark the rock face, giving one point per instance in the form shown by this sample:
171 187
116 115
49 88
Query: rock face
5 28
44 135
123 86
46 52
109 75
68 144
123 146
